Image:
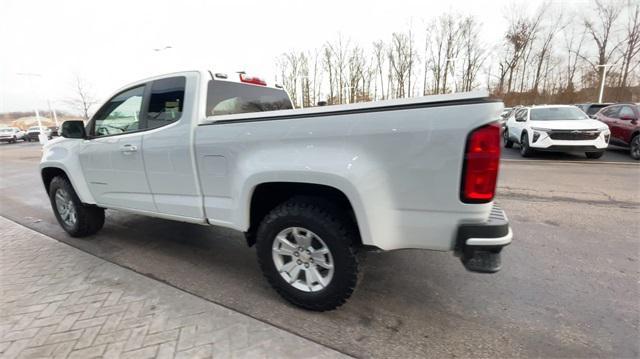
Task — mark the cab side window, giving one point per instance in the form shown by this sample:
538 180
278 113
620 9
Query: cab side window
166 101
121 114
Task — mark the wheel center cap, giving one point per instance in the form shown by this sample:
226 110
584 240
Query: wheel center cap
304 257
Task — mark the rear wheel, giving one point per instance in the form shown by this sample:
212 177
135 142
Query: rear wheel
305 250
594 155
525 150
505 137
634 150
75 217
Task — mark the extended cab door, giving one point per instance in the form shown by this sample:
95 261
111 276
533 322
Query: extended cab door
168 146
112 158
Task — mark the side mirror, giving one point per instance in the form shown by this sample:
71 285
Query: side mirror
520 119
73 129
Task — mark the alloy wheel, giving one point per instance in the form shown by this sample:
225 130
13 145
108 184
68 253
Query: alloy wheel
303 259
66 208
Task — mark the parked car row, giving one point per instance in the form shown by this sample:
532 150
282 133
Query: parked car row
15 134
587 128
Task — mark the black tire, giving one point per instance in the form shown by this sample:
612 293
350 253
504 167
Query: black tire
505 137
594 155
525 150
336 231
89 219
634 148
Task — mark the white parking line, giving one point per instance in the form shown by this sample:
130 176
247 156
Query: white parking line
572 162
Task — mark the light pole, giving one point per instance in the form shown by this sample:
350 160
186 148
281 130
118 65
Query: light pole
53 112
604 76
300 79
42 137
453 73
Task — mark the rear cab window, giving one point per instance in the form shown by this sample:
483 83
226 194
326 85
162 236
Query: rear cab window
227 98
166 101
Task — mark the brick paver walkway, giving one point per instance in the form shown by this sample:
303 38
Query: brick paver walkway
57 301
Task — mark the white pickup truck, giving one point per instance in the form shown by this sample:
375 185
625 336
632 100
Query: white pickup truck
308 187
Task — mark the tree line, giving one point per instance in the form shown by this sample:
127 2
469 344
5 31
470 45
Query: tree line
546 56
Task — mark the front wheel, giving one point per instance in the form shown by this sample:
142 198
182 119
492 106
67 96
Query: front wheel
505 137
594 155
634 150
525 150
305 250
75 217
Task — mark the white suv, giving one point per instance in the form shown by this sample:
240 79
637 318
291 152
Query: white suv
11 134
556 128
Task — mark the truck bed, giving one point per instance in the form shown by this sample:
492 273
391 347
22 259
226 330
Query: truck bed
399 162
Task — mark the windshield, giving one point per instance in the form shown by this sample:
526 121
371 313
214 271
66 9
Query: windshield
34 129
557 113
5 130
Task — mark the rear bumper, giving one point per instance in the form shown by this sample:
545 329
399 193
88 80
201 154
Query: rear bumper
479 244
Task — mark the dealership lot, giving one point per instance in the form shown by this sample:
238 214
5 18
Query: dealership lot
569 286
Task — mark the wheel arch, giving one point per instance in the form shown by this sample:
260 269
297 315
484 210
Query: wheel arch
266 195
48 171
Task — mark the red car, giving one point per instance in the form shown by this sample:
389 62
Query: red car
622 120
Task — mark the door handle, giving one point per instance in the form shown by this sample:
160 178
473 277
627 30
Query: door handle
127 149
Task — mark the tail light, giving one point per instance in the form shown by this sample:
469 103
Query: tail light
252 80
481 161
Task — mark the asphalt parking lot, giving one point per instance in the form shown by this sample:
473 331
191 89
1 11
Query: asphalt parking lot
570 284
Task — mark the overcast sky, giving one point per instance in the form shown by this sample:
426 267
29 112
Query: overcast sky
110 43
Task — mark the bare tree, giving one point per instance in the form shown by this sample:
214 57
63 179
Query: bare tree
632 44
573 47
339 51
544 51
518 41
84 99
473 54
601 30
290 66
400 62
327 61
379 55
316 77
